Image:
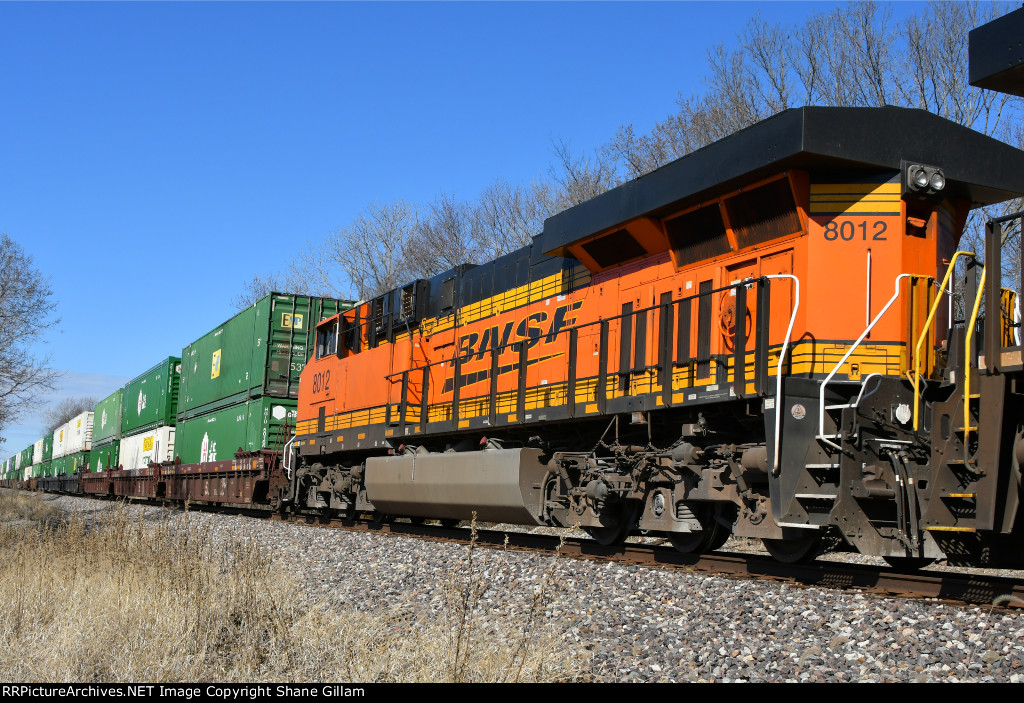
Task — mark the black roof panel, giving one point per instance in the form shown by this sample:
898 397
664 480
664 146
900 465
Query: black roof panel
839 139
996 54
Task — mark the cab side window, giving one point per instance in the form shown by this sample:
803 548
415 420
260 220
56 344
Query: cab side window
327 340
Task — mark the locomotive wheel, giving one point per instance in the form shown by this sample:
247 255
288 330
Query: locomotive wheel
690 542
794 551
719 539
614 534
908 563
607 536
712 537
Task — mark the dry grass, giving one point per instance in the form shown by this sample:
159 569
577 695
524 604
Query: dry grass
116 598
17 506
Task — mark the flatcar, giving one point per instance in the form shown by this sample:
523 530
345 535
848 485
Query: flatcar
758 339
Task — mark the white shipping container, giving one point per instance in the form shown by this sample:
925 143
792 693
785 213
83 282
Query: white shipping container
37 452
140 450
79 434
60 442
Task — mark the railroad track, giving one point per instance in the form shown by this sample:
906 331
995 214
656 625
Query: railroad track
971 588
956 587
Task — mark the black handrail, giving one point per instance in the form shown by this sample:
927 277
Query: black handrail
637 360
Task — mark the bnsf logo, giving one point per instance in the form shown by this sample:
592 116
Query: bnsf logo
533 328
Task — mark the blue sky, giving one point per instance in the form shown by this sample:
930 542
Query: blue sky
153 156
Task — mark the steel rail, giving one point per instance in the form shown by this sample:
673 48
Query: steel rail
971 588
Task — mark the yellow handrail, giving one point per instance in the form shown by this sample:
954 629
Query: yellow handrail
927 327
967 355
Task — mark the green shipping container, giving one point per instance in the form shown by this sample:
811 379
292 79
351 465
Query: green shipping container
106 422
54 468
76 463
250 425
26 455
43 469
48 447
260 351
104 458
151 400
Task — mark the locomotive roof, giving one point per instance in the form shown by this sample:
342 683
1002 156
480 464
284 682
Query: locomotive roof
996 55
835 139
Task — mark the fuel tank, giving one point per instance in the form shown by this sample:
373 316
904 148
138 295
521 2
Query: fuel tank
500 485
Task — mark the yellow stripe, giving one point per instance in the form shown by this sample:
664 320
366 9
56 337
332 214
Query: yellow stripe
853 199
855 188
817 357
859 206
547 287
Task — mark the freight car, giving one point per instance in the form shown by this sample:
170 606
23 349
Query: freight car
158 437
757 339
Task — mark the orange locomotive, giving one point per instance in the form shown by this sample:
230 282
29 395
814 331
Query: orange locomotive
752 340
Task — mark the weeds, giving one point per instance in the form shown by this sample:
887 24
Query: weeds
528 650
120 597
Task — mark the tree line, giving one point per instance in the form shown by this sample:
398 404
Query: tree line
854 55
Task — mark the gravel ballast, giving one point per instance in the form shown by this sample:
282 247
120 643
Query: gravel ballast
644 624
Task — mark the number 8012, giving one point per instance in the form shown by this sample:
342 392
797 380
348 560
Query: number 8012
848 231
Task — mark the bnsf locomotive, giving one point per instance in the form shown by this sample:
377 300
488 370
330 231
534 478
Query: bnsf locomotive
759 339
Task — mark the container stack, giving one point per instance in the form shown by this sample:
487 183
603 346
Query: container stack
240 381
71 445
42 456
26 459
148 416
106 432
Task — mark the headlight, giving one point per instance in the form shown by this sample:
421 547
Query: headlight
922 181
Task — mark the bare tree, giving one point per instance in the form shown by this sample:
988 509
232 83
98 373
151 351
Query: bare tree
309 273
446 236
65 411
508 216
255 288
638 154
580 177
853 55
26 310
372 251
370 255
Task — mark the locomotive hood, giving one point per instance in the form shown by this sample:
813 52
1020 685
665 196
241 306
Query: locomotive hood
818 139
